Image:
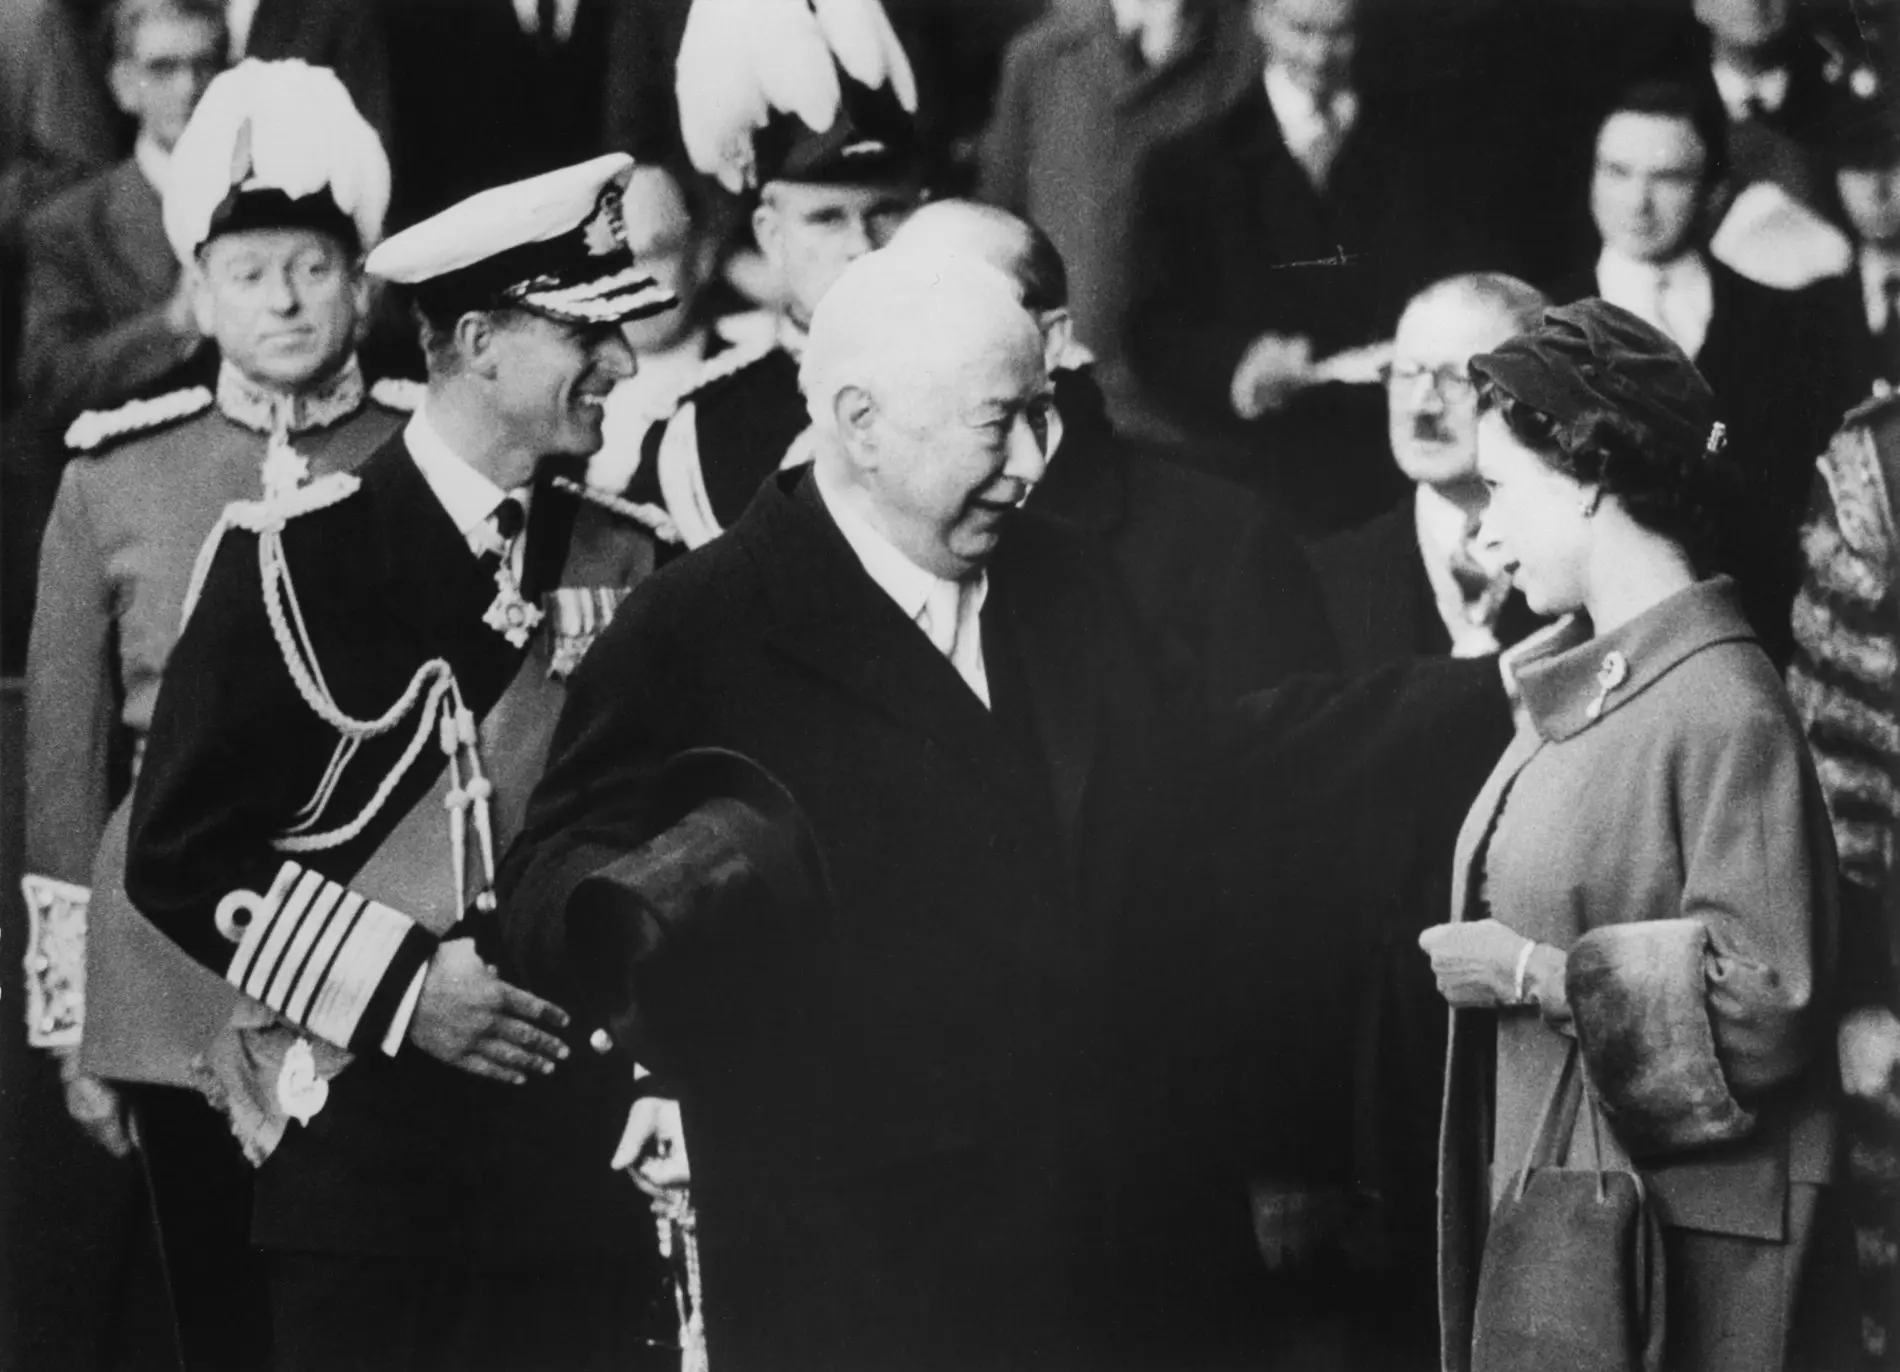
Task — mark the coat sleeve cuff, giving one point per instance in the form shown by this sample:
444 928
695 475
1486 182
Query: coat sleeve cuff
326 958
1639 995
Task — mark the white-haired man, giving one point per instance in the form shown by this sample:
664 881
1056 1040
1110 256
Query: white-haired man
919 1137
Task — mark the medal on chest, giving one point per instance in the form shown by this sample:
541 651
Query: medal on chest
508 614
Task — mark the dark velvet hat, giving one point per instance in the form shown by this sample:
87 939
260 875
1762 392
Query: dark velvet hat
1591 357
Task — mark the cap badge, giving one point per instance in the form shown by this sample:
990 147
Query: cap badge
606 231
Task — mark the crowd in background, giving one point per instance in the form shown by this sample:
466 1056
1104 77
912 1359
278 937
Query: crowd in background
1250 206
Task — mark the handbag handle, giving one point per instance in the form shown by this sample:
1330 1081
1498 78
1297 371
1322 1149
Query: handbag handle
1559 1120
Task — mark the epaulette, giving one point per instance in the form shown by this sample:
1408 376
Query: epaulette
95 428
728 363
396 393
1885 398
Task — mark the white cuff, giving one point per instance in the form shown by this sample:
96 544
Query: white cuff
399 1027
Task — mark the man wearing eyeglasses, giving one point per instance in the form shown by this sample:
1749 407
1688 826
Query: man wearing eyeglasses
1406 584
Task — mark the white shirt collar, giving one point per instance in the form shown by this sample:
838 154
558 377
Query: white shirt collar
527 14
1298 112
1690 293
1877 268
899 578
154 163
1768 89
468 497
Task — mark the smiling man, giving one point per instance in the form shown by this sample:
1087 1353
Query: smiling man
356 708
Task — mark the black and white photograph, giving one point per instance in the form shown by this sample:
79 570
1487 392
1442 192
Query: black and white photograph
950 685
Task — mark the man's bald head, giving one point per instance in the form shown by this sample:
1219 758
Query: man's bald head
929 402
1013 246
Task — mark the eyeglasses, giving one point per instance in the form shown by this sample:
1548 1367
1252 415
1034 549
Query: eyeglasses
1451 382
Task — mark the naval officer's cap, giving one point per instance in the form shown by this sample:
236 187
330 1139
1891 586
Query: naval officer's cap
553 245
796 90
276 145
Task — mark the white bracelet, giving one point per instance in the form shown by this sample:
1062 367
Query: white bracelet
1523 966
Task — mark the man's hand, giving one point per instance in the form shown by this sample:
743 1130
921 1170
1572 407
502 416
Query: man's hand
470 1018
653 1150
1475 963
1274 369
1870 1058
95 1106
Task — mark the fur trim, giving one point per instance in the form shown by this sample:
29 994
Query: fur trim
1639 994
1872 658
1836 713
1836 569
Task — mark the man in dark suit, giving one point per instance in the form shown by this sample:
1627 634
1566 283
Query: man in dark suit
1409 583
319 808
1866 298
1776 360
344 35
1291 227
912 1136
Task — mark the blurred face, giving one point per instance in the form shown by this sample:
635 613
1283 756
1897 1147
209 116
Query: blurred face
550 379
1871 197
1313 41
159 79
1647 192
1745 24
1431 406
953 447
281 304
1534 523
660 233
811 233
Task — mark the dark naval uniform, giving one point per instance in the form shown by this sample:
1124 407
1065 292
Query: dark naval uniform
420 1210
730 433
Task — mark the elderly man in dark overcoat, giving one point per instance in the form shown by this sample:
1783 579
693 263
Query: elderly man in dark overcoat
930 1124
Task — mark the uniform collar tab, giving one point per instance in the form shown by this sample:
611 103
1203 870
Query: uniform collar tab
245 402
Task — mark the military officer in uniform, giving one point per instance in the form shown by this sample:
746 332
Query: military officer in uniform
350 721
273 259
825 198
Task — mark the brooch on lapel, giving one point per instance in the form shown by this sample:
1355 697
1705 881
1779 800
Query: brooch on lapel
1613 673
508 614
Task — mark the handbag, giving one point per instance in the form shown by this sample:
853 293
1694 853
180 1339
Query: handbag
1572 1274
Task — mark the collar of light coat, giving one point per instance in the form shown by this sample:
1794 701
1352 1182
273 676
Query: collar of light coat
1566 675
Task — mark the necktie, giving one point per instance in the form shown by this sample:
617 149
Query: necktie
547 20
951 620
1323 146
507 520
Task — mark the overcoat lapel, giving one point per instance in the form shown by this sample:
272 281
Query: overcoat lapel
836 621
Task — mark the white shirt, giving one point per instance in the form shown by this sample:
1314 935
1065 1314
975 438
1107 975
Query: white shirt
1302 124
528 16
468 497
1441 528
948 612
1677 297
155 164
1877 270
1766 90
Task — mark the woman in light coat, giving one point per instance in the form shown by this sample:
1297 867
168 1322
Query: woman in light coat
1649 870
